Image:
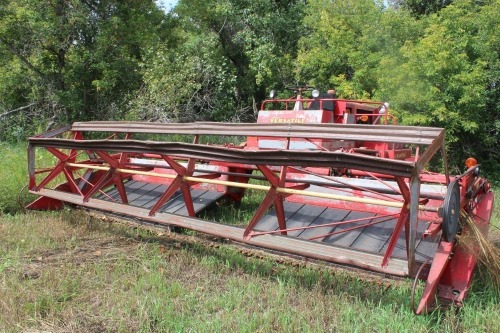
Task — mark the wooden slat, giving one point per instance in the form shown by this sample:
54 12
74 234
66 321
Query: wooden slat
374 237
270 222
305 216
146 194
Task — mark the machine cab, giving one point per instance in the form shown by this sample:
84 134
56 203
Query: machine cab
310 106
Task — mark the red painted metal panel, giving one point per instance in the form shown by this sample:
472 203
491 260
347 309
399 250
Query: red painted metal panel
45 203
295 117
439 264
456 280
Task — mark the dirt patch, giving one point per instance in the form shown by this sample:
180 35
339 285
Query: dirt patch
86 251
81 324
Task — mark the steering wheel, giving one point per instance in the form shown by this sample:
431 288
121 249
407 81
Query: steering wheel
299 88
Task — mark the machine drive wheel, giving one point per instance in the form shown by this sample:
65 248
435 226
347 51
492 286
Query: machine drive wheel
451 212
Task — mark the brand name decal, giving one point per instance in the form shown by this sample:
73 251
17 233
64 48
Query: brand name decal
287 120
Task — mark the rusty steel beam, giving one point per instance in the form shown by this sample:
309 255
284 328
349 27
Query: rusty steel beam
412 225
374 133
333 159
431 150
55 132
31 167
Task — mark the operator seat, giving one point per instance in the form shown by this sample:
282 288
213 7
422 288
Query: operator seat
327 105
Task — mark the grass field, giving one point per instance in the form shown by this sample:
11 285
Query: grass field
70 272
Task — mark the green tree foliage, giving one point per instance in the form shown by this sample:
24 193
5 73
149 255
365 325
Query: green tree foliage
191 82
344 46
421 7
436 70
229 55
73 59
435 61
449 78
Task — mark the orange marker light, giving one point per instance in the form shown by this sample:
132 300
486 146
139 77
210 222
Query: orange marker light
470 162
364 118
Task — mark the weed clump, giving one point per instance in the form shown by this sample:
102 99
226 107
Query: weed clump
486 252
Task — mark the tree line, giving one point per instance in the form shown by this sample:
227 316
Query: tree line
435 61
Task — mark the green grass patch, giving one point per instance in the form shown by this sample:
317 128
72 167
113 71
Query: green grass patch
14 195
13 176
238 213
67 271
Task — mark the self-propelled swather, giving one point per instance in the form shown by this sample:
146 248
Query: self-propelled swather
340 182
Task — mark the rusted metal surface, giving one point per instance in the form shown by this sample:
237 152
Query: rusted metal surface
332 159
384 133
55 132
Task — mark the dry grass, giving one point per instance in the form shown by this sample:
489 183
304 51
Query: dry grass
68 272
485 250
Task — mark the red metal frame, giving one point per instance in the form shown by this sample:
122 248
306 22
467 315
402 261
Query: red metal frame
291 176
